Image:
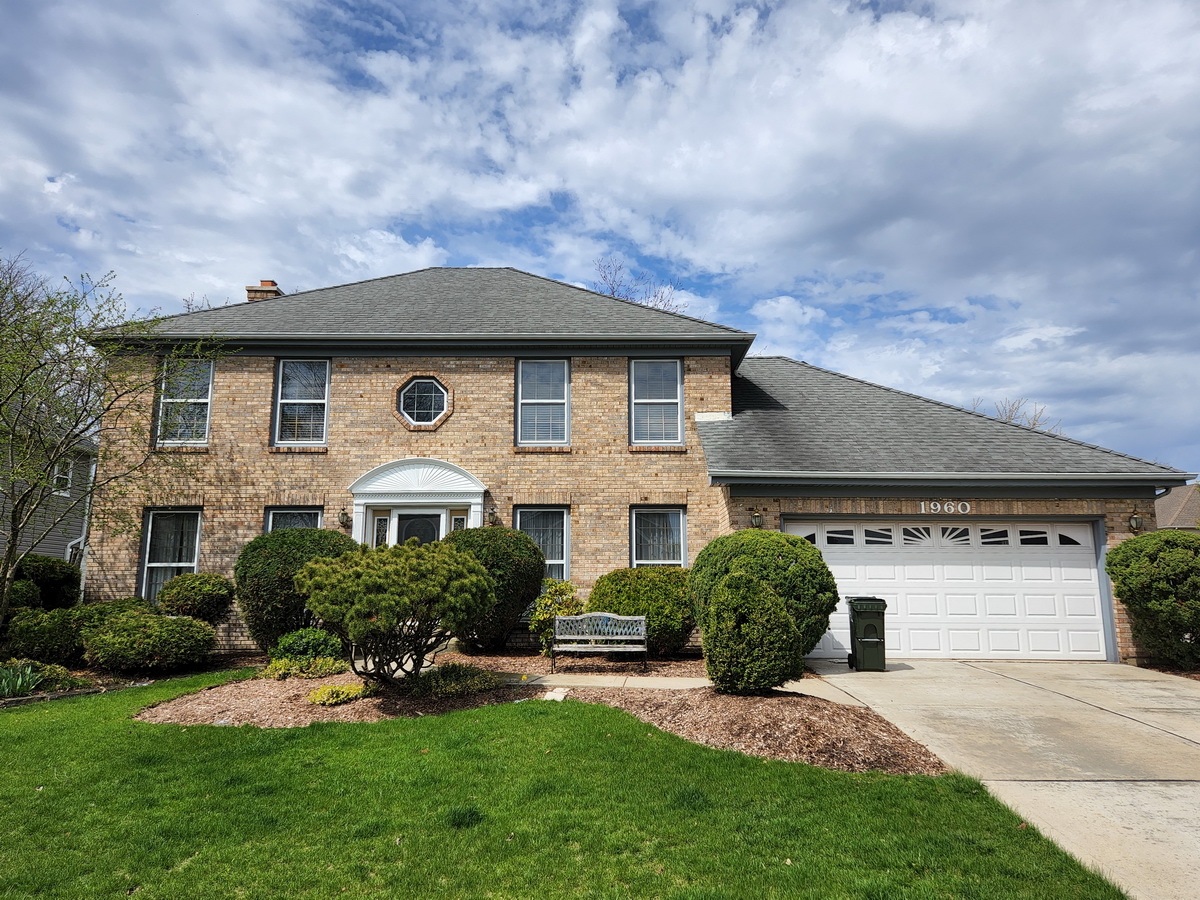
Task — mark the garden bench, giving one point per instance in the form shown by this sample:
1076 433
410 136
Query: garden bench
599 632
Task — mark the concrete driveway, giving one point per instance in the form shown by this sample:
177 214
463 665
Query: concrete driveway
1104 759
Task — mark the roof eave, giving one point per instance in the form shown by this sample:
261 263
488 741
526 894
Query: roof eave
948 479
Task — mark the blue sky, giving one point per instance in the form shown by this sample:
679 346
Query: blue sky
961 199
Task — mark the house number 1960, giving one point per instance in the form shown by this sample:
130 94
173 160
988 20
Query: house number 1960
954 507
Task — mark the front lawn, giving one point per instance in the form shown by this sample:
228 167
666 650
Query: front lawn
532 799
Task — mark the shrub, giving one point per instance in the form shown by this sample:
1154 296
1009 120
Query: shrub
557 599
56 635
145 642
311 667
751 643
395 606
51 677
337 694
452 680
24 594
203 596
265 575
307 643
792 567
57 579
516 566
657 592
1157 576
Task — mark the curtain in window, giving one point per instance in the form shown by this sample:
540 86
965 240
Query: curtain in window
658 537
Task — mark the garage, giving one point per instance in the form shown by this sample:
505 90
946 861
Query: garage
960 589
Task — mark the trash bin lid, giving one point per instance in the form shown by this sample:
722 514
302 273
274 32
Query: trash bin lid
866 604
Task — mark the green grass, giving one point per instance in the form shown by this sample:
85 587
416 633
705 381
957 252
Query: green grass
531 800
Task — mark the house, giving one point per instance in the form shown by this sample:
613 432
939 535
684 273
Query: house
58 527
619 435
1179 508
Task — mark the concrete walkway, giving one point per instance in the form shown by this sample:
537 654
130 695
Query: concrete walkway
1104 759
814 687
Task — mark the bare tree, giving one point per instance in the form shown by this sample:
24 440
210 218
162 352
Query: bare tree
1021 411
77 380
613 279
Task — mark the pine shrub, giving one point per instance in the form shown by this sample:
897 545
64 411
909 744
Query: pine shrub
1157 576
24 594
146 642
657 592
201 595
516 566
56 635
751 643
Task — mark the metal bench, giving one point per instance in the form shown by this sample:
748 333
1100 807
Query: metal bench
599 632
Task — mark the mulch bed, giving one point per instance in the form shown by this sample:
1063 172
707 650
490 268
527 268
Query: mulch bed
531 662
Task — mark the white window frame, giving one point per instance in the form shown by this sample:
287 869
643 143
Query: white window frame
147 566
634 401
565 512
279 404
412 384
63 477
274 510
636 511
565 403
165 402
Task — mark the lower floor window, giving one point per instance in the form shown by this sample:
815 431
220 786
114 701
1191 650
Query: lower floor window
549 529
657 537
172 546
279 519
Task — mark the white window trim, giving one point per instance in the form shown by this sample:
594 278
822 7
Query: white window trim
678 401
147 565
565 562
565 403
293 509
413 383
683 552
164 400
63 469
279 401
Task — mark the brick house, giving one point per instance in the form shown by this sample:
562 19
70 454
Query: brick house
618 435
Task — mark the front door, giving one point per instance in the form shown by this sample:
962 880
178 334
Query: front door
398 524
424 528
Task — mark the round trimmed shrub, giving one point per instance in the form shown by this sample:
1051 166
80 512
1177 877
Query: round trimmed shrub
751 643
24 594
1157 576
792 566
57 579
147 642
49 636
202 596
557 598
265 579
657 592
516 566
306 644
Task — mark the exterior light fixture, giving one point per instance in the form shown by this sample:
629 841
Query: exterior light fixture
345 519
756 519
493 516
1135 522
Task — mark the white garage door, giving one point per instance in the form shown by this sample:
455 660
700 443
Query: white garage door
968 590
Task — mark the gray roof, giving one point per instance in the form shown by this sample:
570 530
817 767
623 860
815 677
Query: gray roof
461 305
794 423
1179 508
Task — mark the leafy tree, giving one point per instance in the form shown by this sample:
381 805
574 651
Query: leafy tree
395 606
613 279
76 385
1157 576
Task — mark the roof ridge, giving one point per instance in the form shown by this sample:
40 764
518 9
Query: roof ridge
1061 437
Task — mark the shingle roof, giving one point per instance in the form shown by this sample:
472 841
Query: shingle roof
440 303
794 422
1179 508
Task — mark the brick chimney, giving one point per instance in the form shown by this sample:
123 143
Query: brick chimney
262 291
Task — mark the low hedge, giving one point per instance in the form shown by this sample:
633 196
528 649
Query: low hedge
147 642
201 595
657 592
56 635
308 643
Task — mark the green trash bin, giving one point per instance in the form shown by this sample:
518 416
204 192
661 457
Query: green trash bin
866 634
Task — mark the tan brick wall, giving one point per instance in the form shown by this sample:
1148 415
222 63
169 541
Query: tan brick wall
1114 513
600 477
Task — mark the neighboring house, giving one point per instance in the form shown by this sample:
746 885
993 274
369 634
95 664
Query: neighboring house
619 435
70 480
1179 508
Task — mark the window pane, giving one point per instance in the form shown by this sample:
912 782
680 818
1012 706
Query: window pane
173 538
543 422
187 380
303 380
294 518
658 537
423 401
655 380
302 421
545 526
656 422
557 571
183 422
543 380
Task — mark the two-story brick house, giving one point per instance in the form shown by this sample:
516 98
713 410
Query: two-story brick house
619 435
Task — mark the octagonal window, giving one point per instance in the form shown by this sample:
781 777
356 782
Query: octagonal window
422 401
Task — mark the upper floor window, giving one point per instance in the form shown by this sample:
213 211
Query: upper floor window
303 401
63 476
422 401
658 537
543 394
184 401
656 401
172 547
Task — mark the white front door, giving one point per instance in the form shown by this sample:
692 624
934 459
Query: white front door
969 589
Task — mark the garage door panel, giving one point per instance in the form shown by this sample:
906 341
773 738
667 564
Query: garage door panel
966 589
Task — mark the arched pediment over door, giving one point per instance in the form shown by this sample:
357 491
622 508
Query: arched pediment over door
417 483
